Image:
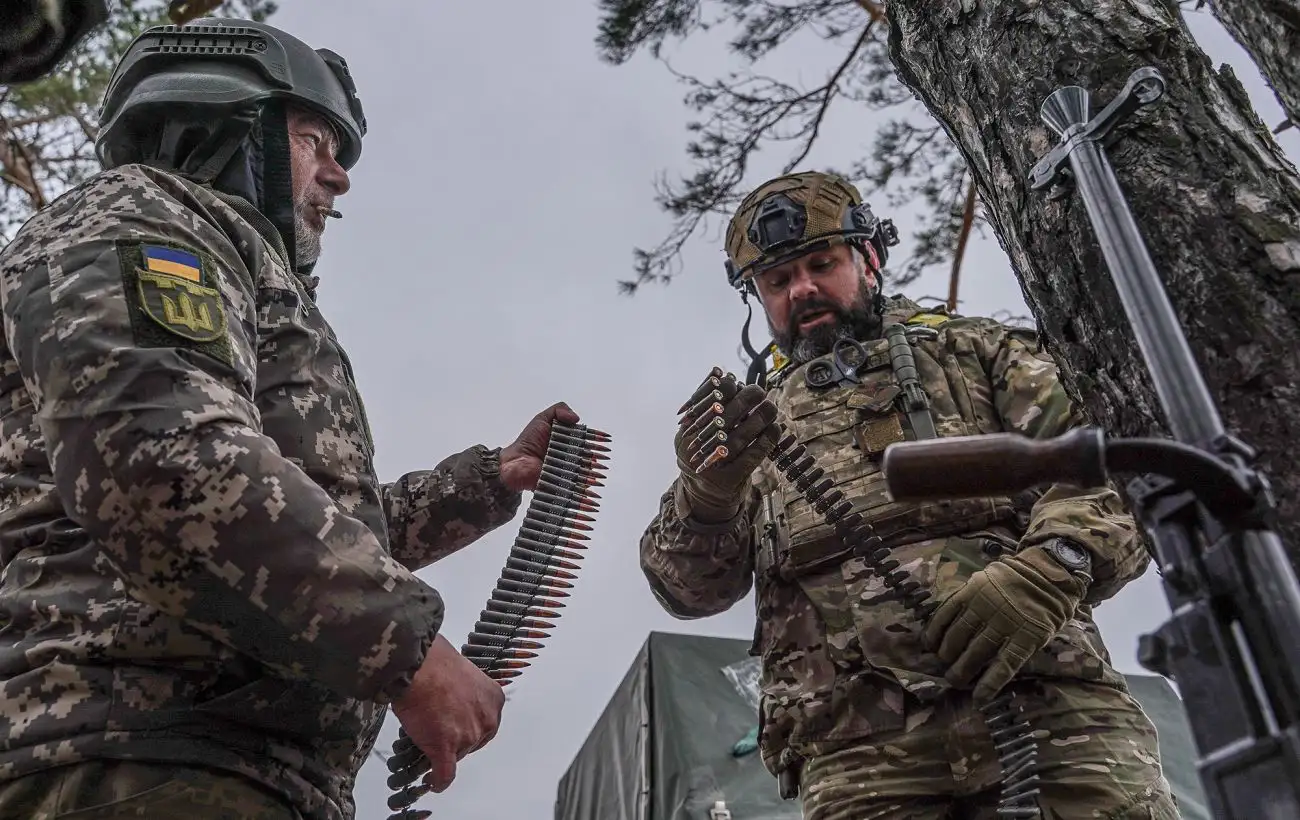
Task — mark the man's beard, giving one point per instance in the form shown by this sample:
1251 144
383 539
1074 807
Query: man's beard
859 321
306 241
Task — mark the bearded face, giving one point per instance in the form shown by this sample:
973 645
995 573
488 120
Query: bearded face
816 300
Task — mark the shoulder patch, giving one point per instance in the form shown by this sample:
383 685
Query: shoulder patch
172 301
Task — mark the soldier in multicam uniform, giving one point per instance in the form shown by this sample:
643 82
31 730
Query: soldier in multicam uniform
865 710
208 599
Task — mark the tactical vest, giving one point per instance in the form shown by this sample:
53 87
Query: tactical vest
846 428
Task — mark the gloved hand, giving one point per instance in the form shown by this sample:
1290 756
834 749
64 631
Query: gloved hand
746 420
1003 615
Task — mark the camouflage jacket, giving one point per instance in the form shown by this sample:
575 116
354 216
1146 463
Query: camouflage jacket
841 661
199 563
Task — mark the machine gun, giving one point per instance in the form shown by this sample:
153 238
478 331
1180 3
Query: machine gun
1233 643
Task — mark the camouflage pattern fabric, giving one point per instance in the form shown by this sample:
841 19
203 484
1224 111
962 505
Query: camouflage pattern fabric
1098 760
200 565
111 789
842 662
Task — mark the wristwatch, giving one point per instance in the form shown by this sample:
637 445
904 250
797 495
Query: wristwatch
1074 558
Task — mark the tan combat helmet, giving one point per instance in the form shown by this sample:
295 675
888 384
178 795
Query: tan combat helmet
796 214
792 215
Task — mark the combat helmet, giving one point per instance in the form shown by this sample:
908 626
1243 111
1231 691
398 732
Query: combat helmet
207 100
793 215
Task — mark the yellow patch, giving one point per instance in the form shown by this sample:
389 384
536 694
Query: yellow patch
928 319
174 269
778 360
182 307
176 262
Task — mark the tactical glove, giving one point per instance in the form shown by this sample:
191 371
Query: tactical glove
1003 615
722 413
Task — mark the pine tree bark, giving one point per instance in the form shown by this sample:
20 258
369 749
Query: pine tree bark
1216 200
1269 31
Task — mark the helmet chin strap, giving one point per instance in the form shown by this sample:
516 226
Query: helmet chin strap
211 156
277 180
757 361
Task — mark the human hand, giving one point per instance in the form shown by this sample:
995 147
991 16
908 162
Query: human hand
723 413
521 460
989 628
451 710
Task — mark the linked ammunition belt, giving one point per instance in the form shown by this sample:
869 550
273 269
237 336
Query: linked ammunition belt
537 572
1012 736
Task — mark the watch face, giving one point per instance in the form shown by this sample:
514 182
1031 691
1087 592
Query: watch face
1071 555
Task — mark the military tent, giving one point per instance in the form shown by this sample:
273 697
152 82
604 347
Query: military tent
663 747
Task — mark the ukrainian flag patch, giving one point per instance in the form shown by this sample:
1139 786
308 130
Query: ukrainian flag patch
173 262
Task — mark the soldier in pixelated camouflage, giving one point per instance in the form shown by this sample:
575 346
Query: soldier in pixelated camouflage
208 601
869 710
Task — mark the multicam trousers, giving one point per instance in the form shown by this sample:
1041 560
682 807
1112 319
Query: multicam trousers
110 790
1097 751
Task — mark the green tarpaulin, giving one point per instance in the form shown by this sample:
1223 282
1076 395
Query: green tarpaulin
662 748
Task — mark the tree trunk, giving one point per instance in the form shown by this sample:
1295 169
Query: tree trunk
1269 30
1215 199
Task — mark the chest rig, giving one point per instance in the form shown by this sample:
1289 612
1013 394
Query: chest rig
844 409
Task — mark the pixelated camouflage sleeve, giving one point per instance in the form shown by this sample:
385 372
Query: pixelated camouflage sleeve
433 513
157 452
1030 399
695 569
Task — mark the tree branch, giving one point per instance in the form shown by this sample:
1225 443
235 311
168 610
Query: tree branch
967 220
832 85
745 112
18 165
872 8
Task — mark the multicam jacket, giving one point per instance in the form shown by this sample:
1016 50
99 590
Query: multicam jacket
200 565
841 660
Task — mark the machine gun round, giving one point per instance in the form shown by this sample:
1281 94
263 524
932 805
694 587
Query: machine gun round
704 415
522 608
1012 736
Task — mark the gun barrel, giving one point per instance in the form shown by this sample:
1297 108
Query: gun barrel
992 464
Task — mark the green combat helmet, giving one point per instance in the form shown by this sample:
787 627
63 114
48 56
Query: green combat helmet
208 100
790 216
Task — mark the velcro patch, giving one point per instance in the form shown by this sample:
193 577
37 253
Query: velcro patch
171 299
877 397
874 435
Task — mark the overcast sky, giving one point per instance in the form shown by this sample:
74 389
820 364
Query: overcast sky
506 178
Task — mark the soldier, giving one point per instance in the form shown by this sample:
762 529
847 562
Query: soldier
208 598
891 657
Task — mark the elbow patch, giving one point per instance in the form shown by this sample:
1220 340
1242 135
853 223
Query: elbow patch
174 300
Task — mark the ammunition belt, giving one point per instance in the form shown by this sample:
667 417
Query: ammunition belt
537 572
